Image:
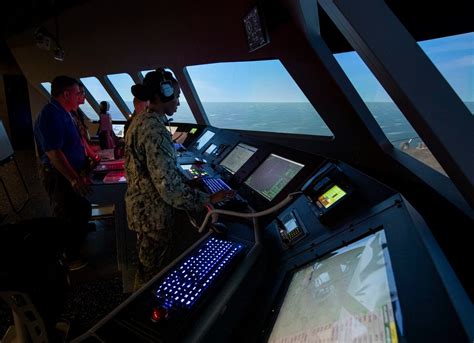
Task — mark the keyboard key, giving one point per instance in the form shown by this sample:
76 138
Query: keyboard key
214 185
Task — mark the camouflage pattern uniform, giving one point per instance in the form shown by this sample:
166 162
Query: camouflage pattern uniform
155 187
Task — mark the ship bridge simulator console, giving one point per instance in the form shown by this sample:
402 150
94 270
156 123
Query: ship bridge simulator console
335 256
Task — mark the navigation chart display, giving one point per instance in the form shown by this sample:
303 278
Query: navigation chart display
237 157
346 297
273 175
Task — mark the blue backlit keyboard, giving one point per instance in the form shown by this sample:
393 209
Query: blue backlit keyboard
191 278
214 185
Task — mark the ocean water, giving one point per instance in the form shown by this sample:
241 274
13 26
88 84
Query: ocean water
299 118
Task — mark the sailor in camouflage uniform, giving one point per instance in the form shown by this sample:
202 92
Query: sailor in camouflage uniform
155 184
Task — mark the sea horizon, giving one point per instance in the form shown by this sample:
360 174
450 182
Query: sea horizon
284 117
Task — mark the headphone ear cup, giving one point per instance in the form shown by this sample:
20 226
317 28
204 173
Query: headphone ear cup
166 91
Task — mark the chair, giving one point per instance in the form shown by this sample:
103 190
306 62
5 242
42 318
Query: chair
28 324
33 279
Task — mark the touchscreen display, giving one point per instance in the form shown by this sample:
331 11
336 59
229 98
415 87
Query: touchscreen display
331 196
237 157
273 175
210 149
206 137
345 297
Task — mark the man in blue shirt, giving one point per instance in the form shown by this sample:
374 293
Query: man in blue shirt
63 159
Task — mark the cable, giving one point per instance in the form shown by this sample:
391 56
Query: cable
248 215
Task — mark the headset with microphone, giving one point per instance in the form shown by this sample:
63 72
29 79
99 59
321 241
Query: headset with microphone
166 89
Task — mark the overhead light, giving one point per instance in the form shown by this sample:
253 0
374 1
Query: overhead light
59 54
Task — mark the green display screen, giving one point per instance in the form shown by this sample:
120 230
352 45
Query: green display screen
331 196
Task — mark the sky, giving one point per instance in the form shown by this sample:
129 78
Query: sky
268 81
453 56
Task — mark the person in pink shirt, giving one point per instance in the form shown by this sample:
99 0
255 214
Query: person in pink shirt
107 136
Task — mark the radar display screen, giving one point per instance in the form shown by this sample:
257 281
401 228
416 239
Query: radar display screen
206 137
273 175
237 157
346 297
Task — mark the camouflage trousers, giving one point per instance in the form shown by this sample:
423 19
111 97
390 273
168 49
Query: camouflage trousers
153 255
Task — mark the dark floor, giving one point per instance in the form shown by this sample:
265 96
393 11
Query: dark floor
96 289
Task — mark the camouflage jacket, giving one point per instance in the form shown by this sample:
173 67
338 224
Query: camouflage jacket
155 184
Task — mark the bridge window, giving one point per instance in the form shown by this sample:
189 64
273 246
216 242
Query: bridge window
453 56
46 86
100 94
122 84
385 111
146 72
86 107
256 96
183 114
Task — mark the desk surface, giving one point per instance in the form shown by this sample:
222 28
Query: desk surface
106 192
114 193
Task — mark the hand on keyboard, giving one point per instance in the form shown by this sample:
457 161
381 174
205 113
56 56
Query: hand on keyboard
223 196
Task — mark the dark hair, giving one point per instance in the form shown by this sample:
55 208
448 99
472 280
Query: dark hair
61 83
104 107
142 92
150 88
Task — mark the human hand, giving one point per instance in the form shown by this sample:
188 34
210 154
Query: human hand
222 196
81 185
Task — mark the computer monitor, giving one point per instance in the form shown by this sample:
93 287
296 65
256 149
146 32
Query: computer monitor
172 129
237 157
186 166
347 296
205 137
119 129
273 175
210 149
